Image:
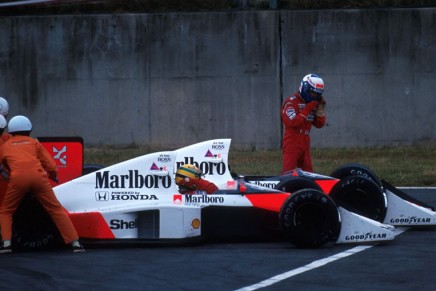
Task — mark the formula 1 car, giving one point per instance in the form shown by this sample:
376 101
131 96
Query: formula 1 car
358 189
138 200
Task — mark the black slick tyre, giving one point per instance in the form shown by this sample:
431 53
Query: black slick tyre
355 169
360 195
33 228
310 219
293 184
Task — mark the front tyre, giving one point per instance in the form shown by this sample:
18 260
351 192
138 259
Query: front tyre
310 219
362 196
33 228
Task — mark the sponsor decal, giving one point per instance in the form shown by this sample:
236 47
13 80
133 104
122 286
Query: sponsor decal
231 184
196 223
291 113
207 168
132 196
60 154
131 180
123 196
203 199
102 196
267 184
218 146
178 199
154 167
209 154
311 116
356 172
366 236
410 220
123 224
315 85
164 158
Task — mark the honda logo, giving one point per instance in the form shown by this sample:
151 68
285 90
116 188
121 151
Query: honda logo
102 196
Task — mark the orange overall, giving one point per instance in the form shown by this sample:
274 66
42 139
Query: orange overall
28 163
3 171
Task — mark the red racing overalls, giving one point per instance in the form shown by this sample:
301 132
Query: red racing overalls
195 186
298 118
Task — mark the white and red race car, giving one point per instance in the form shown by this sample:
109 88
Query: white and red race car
138 200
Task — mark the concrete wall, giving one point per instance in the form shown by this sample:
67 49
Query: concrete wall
380 72
174 79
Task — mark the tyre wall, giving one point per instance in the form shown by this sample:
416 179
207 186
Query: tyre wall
179 78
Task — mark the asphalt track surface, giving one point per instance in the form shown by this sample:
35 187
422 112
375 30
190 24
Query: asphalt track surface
407 263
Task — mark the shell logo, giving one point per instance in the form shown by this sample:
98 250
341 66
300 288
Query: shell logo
196 223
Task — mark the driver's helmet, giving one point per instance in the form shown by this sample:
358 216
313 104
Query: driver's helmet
187 172
311 88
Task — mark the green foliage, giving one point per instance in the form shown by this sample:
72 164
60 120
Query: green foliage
413 165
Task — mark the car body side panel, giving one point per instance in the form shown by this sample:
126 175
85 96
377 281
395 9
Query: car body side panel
91 225
268 202
327 185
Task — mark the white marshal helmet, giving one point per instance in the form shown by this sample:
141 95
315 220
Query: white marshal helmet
3 122
19 123
311 87
4 107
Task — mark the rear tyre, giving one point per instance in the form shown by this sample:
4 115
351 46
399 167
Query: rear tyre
354 169
294 184
33 228
360 195
310 219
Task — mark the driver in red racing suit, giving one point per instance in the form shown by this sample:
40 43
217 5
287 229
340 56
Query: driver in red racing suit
299 112
189 181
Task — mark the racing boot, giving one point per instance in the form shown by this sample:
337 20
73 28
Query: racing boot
6 247
77 247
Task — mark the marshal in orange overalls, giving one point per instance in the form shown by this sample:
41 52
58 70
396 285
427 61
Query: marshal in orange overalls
30 165
3 171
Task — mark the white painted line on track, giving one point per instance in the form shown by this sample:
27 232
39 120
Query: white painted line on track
416 188
17 3
313 265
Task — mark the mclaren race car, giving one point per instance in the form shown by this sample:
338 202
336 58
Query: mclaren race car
138 200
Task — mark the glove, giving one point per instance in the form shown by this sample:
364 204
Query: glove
320 108
4 172
53 176
188 183
311 106
318 98
184 190
320 112
322 100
